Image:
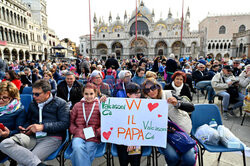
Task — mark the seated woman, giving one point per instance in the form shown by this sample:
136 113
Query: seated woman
178 85
120 88
133 90
177 112
85 115
103 88
139 77
12 112
12 77
47 75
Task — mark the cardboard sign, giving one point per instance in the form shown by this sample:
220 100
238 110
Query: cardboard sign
134 122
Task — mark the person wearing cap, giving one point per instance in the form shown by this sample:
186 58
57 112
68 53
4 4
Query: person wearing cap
236 68
220 83
103 88
171 67
47 120
70 89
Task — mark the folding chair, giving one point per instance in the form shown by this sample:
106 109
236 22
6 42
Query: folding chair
59 81
27 90
58 155
26 100
146 151
203 114
101 151
162 84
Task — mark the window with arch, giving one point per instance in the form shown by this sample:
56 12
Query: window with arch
222 30
242 28
209 46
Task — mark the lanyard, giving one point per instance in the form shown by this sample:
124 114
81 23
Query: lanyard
40 115
84 113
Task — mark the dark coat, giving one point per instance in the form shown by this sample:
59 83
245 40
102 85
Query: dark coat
197 76
171 66
184 91
75 93
56 116
112 62
12 121
25 80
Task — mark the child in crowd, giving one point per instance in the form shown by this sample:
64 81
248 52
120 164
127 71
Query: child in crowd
130 154
85 127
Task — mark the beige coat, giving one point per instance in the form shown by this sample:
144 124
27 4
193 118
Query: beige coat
218 84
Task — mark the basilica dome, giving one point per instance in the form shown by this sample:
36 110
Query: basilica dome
142 11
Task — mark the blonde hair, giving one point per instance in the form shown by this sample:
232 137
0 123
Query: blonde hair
152 81
151 74
49 74
11 88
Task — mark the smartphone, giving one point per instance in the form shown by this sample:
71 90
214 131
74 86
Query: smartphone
2 127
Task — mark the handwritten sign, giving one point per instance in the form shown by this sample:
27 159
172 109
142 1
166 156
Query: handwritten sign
137 122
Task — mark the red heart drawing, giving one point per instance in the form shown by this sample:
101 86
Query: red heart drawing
111 128
106 135
151 106
159 116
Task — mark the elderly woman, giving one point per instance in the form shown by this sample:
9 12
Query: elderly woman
120 88
245 79
177 112
12 112
178 85
139 77
12 77
103 88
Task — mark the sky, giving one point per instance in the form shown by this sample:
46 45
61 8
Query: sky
70 18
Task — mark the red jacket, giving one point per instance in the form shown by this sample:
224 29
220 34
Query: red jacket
78 123
16 82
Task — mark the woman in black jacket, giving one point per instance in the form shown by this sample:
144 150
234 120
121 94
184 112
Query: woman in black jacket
178 85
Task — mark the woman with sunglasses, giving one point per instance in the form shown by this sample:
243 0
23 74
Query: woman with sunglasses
177 112
12 112
178 85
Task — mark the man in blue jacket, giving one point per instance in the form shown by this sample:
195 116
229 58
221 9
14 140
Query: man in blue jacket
48 119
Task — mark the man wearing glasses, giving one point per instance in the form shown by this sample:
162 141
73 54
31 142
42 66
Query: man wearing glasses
203 81
221 82
236 68
47 121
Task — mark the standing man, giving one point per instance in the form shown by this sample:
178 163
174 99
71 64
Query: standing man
78 62
171 67
48 119
70 90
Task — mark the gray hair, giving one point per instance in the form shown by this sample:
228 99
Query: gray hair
95 73
200 64
43 84
69 73
26 69
122 73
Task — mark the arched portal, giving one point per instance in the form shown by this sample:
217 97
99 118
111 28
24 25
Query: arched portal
21 55
176 48
14 54
117 47
161 48
139 47
6 53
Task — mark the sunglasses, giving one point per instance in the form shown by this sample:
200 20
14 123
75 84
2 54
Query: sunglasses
152 88
36 94
5 98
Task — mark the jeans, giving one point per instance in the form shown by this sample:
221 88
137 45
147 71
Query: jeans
169 79
44 147
226 98
83 152
173 158
125 159
207 85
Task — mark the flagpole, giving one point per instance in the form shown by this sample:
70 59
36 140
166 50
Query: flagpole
90 36
181 28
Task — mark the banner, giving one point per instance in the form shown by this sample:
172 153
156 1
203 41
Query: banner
134 122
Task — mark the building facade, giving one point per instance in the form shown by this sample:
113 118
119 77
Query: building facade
241 44
24 32
217 32
160 37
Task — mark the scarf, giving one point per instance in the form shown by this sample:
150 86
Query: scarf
177 89
12 107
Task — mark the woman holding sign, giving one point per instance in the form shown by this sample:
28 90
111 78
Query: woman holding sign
85 127
177 112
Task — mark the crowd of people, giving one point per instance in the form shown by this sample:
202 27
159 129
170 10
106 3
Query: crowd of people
67 95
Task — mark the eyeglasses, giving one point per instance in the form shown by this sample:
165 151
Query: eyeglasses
5 98
152 88
37 94
201 67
